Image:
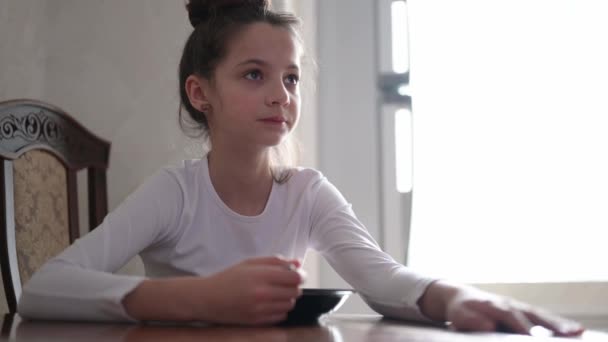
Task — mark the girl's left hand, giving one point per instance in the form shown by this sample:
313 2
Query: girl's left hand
470 309
477 310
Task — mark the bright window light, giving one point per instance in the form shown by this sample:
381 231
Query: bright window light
399 36
510 140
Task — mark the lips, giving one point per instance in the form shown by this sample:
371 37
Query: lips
274 119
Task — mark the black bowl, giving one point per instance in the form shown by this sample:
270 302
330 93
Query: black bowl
313 303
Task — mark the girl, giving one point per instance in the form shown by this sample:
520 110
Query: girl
210 232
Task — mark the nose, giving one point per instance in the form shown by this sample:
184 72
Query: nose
277 94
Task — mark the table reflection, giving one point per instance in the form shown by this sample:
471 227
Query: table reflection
319 333
334 328
26 330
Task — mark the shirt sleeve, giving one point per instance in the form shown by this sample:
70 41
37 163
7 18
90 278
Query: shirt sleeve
388 287
79 283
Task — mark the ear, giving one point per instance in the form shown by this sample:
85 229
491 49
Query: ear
197 89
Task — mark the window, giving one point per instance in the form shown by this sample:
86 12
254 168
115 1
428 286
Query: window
510 140
481 71
509 148
395 117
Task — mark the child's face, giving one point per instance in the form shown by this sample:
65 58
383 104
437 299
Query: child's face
255 96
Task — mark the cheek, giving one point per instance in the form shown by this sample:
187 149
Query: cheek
242 104
296 104
236 103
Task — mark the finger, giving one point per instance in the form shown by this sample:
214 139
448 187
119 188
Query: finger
276 260
270 319
296 262
277 293
303 275
275 308
292 264
560 326
282 276
468 320
510 319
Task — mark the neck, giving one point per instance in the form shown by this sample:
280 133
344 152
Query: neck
241 178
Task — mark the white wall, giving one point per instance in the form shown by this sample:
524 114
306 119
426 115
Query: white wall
112 65
22 53
307 131
347 116
22 71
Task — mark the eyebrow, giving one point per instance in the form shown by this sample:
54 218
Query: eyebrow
263 63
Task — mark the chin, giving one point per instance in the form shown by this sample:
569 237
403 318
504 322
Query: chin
274 141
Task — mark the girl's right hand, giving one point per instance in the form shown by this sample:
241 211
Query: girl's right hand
255 291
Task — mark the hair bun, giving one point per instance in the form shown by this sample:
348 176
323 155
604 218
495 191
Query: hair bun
201 10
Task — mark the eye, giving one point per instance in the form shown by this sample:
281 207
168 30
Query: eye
254 75
292 79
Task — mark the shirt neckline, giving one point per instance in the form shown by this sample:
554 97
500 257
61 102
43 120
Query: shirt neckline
220 203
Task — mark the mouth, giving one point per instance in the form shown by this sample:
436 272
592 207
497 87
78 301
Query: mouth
274 120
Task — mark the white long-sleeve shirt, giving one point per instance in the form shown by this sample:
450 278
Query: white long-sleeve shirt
179 226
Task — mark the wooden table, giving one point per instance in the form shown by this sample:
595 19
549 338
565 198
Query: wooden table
334 328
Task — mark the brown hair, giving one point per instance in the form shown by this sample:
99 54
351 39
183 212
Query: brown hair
215 23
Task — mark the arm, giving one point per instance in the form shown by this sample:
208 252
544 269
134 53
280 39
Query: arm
78 284
470 309
387 286
163 299
256 291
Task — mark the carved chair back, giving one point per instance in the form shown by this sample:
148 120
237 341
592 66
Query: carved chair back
41 149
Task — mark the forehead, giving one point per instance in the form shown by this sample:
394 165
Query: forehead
275 45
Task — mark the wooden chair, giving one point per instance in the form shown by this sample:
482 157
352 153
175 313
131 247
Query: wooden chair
41 149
